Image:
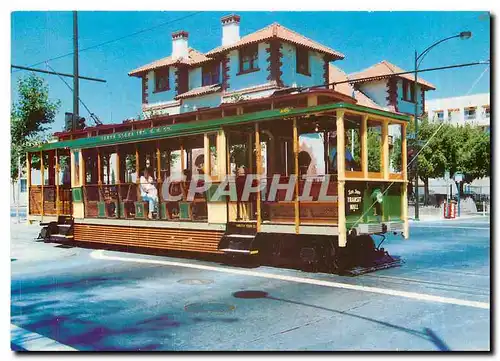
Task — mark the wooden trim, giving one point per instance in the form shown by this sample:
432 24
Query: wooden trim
99 165
221 147
205 241
225 72
392 93
396 176
364 145
183 162
274 61
118 163
378 179
258 160
137 172
145 89
375 117
385 150
206 153
354 174
28 183
81 161
28 170
404 152
375 175
57 181
159 179
326 71
250 153
42 176
341 178
296 172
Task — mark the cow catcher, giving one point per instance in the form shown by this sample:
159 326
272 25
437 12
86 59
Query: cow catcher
307 179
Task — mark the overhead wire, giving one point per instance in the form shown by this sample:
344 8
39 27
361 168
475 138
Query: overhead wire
115 40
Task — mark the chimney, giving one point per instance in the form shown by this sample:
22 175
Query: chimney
180 44
230 29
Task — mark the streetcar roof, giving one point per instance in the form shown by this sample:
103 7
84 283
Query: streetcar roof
200 127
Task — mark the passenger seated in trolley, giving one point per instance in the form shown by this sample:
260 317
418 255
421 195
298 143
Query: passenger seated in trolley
351 164
149 193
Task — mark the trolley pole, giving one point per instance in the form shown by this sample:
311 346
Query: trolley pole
18 189
75 70
416 138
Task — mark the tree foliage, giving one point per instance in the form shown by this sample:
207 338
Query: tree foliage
445 147
30 117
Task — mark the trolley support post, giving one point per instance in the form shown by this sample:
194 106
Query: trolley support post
296 172
385 149
404 190
57 181
118 179
158 176
341 178
364 145
206 154
42 174
258 160
137 173
28 183
99 174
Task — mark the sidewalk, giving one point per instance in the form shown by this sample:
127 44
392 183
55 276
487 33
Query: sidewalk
432 218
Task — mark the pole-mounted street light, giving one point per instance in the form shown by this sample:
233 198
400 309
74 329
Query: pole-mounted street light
418 59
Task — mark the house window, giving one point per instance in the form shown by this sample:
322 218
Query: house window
249 57
412 93
486 111
453 114
470 113
408 91
210 74
161 80
405 89
302 61
440 116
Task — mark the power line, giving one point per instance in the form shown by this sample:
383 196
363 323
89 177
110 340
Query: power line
351 81
117 39
55 73
92 115
477 80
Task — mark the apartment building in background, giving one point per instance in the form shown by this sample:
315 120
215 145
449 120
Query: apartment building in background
468 109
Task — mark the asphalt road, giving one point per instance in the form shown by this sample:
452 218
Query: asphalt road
84 299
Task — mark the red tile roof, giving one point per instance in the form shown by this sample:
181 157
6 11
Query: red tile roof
278 31
383 70
202 90
337 75
194 57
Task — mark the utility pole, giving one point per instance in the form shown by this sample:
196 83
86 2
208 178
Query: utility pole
76 110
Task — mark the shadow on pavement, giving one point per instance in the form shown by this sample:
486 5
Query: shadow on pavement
427 334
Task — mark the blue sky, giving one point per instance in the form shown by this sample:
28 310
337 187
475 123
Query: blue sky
364 38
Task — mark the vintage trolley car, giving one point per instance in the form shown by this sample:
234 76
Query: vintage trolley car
315 176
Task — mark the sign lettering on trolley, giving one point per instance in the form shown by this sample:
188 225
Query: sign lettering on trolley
135 133
354 199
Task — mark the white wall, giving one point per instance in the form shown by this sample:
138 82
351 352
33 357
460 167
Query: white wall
443 104
376 90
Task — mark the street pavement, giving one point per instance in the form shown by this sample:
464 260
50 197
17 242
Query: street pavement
87 299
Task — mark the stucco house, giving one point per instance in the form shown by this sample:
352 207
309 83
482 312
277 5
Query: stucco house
260 64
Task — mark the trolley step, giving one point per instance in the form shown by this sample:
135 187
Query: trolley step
237 244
